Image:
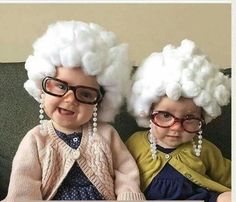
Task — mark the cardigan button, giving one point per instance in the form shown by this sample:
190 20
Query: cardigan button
75 139
76 154
188 175
167 156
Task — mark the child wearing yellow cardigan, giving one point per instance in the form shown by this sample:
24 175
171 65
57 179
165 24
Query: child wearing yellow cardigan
176 93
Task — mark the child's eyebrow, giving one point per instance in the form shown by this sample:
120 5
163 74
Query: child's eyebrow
191 116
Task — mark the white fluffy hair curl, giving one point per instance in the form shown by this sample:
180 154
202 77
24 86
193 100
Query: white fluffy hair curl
88 46
178 72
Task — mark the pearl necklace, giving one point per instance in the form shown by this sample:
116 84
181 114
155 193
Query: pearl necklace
196 147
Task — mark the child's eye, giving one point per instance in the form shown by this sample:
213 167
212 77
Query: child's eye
166 115
86 94
61 86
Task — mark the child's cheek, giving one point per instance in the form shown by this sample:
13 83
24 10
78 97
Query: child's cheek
50 105
158 131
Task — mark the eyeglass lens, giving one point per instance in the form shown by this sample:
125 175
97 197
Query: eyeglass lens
166 120
59 88
56 87
86 95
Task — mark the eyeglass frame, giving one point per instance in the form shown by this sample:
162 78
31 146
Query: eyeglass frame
73 88
176 119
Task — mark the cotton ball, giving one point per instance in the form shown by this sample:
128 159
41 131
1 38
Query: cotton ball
201 78
227 83
213 109
219 78
142 113
32 88
143 122
206 71
149 95
81 29
196 63
203 99
167 50
207 117
63 32
221 95
174 76
121 58
85 44
114 97
109 38
200 82
108 77
38 68
110 106
55 59
95 27
70 57
190 89
210 84
47 47
187 47
159 89
43 45
92 63
130 103
187 75
173 90
138 86
142 107
117 52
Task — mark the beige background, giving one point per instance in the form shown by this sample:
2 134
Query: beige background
146 27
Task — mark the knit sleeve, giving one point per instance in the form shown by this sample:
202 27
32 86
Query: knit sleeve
25 179
135 144
218 167
127 182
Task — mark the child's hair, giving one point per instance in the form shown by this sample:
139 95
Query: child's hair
179 72
88 46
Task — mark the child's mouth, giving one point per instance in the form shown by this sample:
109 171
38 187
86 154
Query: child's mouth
65 111
173 137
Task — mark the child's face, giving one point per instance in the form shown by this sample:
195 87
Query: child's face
66 112
174 135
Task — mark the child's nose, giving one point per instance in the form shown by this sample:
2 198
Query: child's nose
177 126
69 96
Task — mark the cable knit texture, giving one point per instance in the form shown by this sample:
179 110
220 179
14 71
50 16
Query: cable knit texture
43 161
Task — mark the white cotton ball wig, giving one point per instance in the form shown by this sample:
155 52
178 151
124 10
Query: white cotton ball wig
178 72
88 46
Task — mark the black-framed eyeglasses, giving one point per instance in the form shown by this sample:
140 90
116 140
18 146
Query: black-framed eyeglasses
59 88
165 119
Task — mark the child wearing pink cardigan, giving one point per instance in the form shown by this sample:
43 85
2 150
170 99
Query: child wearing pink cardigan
78 74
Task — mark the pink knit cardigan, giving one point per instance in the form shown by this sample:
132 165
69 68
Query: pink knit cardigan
42 162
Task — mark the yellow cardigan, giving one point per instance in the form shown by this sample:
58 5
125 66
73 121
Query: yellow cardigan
211 170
